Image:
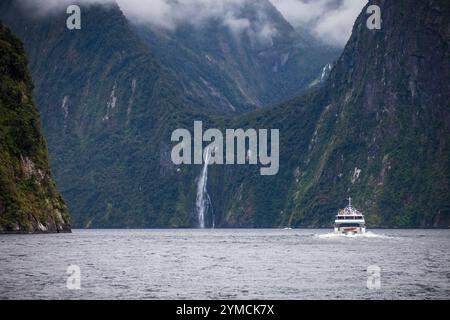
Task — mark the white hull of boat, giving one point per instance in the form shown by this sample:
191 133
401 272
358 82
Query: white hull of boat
350 231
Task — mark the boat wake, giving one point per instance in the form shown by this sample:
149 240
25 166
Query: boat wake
364 235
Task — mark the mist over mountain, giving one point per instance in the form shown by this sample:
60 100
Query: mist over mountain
111 94
108 109
227 56
377 131
251 58
330 21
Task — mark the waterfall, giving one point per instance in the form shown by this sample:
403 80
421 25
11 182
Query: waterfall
203 201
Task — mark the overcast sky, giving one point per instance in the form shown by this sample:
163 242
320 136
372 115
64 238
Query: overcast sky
329 20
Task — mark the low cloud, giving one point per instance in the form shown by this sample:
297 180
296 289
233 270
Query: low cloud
329 20
170 14
44 7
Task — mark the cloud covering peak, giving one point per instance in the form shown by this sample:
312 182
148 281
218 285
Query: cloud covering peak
328 20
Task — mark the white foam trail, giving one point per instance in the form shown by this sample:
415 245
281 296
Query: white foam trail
365 235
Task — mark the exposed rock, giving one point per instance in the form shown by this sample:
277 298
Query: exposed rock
29 202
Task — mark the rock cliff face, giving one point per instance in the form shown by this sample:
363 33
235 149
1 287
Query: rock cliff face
29 201
383 136
378 131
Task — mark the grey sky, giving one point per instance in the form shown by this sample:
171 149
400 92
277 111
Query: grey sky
329 20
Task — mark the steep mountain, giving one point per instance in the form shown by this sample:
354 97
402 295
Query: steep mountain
378 131
249 58
108 109
29 201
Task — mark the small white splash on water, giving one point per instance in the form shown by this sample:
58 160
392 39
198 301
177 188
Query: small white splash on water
364 235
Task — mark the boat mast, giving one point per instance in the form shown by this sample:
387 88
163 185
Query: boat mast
350 202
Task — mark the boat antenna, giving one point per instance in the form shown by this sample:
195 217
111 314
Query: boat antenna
349 201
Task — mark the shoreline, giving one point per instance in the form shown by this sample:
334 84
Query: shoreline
197 229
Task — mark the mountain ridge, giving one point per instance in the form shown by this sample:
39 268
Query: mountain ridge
370 122
375 130
265 63
29 202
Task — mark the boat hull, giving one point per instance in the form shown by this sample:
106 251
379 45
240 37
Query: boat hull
349 230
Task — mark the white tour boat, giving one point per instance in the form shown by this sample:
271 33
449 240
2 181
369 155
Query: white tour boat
349 221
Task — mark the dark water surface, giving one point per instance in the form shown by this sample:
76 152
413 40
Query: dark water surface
226 264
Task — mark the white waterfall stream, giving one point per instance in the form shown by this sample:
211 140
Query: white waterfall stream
203 201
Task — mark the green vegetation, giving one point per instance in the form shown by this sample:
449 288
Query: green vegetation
29 201
376 131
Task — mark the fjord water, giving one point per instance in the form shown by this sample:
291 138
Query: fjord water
226 264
